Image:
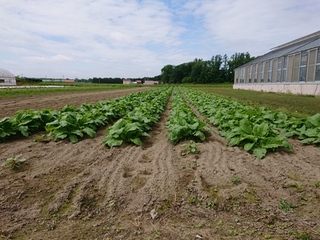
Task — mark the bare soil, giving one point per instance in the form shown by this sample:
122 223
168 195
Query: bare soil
89 191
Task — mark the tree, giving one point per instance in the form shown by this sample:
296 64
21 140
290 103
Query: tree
237 60
216 70
166 73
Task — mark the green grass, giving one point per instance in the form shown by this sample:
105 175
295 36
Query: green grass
294 105
67 88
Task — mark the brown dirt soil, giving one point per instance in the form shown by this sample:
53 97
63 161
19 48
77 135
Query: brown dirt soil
88 191
55 101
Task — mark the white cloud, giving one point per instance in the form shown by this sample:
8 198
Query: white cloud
55 58
136 38
256 26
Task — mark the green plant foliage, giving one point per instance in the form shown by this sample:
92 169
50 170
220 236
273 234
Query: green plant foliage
135 125
25 123
257 138
7 128
14 162
190 148
71 122
235 180
256 130
302 235
183 123
286 206
74 123
310 131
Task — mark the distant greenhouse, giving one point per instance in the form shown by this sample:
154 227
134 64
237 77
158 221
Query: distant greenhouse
7 78
293 67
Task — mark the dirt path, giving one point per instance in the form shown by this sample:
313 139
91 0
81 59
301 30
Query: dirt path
88 191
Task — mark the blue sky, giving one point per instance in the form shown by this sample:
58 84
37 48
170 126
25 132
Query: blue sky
136 38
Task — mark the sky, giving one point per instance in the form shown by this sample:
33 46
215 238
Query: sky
137 38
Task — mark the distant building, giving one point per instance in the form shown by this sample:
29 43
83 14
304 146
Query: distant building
293 67
68 80
7 78
126 81
151 82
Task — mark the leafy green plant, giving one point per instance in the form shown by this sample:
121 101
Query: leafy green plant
293 185
317 184
72 125
310 131
235 180
14 162
258 138
25 123
7 128
190 148
302 235
125 130
286 206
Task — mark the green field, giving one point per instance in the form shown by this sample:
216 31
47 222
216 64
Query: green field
294 105
59 88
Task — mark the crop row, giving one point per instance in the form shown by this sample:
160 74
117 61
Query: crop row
256 130
183 123
133 126
306 129
72 122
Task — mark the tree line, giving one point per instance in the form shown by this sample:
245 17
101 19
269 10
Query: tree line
219 69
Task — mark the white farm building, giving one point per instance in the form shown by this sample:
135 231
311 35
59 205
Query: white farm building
7 78
293 67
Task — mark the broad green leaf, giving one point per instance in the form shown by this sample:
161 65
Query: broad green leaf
194 126
131 127
200 135
259 152
309 140
73 138
112 142
57 136
245 126
136 141
248 146
77 132
314 120
90 132
311 132
24 130
260 130
144 134
234 141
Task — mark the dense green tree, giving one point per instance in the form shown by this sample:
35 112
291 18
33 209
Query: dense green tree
166 73
218 69
236 60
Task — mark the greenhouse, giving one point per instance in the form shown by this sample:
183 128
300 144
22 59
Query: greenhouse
293 67
7 78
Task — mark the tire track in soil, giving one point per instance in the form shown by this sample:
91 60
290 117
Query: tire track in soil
145 175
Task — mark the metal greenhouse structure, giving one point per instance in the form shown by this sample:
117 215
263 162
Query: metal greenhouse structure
293 67
7 78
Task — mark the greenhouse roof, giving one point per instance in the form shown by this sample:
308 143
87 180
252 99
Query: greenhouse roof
6 74
301 44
